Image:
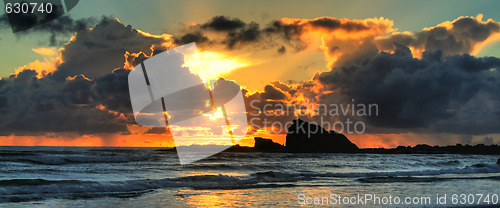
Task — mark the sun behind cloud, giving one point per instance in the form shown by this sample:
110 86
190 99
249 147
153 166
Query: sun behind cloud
213 64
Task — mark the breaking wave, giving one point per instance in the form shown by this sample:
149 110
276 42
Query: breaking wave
14 190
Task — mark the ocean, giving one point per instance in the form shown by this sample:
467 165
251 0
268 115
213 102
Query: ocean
153 177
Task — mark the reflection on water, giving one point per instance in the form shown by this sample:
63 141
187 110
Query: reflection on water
209 173
217 198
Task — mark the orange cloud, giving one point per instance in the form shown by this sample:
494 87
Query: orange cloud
45 51
337 37
465 34
41 67
49 64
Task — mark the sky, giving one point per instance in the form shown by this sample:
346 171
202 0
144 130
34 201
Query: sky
430 66
168 16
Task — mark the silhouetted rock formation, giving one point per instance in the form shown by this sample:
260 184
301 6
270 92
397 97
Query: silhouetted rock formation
479 149
303 136
238 148
267 145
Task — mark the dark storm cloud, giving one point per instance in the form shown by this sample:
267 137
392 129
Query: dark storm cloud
78 90
236 34
288 30
61 26
333 24
112 91
36 106
247 34
271 93
87 93
196 37
292 28
443 93
98 51
456 37
222 23
283 34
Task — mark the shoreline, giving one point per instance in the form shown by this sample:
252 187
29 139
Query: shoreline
458 149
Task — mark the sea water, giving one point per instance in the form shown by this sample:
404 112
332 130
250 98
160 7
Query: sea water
153 177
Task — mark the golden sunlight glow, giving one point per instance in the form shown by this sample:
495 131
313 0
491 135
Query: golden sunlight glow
216 115
329 58
52 51
479 46
41 67
213 64
49 64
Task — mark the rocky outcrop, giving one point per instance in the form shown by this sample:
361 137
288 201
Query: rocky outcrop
267 145
303 136
478 149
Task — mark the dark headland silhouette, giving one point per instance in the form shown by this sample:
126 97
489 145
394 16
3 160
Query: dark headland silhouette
305 137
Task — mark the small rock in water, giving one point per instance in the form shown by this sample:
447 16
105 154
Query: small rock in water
498 162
